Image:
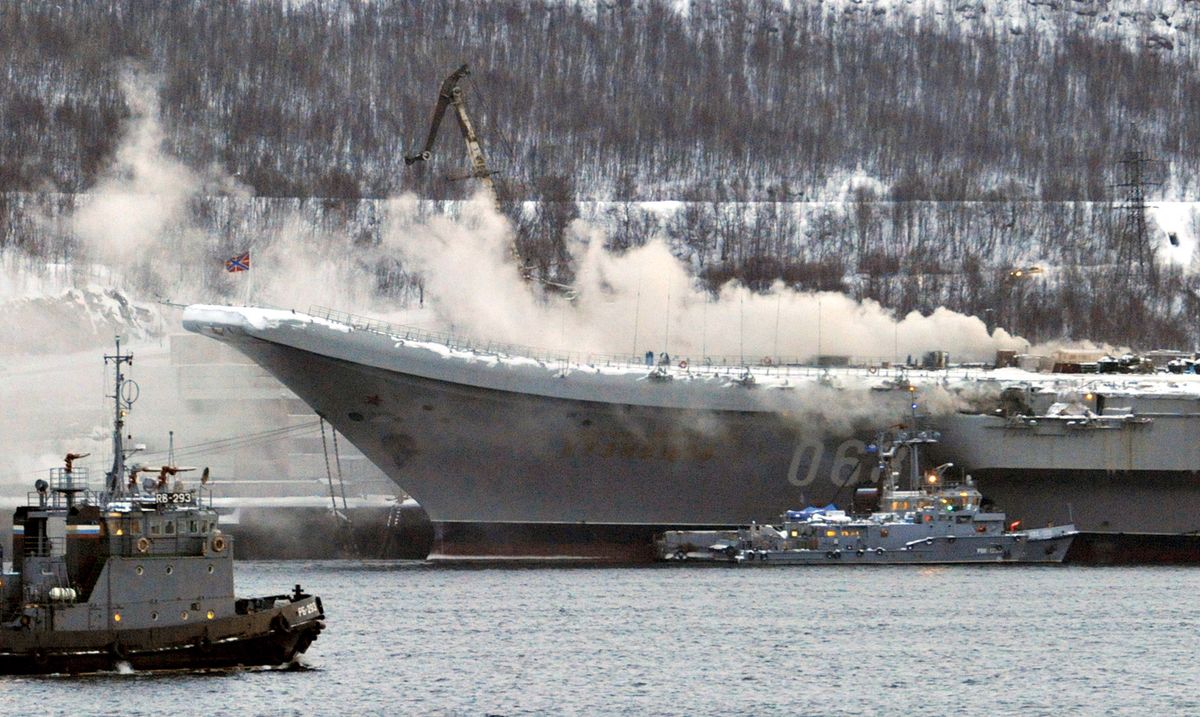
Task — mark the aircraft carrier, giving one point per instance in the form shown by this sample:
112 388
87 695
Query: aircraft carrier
515 452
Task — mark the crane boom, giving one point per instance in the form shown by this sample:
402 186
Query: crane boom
451 94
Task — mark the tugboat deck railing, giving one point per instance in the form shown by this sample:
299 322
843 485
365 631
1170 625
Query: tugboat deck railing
42 546
75 479
56 500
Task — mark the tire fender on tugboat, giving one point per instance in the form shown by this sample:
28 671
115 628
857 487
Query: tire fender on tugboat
280 624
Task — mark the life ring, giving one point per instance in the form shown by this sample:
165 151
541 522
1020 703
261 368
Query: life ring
859 552
766 361
879 551
681 554
830 554
872 370
218 543
143 544
40 658
683 363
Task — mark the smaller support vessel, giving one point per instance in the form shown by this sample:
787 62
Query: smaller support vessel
136 573
934 521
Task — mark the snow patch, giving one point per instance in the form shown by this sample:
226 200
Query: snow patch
1180 220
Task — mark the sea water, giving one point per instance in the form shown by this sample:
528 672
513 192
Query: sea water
495 639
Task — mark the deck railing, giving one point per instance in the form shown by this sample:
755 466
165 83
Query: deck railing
41 546
786 366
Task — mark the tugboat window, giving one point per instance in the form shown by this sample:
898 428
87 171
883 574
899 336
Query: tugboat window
170 527
154 529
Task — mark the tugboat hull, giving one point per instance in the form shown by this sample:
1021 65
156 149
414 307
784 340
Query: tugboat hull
269 638
964 551
1049 545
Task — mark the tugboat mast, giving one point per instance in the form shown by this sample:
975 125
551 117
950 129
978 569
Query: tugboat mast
115 479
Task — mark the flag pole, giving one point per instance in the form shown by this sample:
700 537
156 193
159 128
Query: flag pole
249 278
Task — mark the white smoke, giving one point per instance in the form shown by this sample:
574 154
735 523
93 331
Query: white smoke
143 191
136 219
646 299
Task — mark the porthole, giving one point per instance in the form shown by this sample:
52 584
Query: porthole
154 616
183 615
139 570
355 416
170 569
210 569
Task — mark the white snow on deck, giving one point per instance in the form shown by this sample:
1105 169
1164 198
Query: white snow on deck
562 364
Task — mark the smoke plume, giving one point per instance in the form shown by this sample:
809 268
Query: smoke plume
646 299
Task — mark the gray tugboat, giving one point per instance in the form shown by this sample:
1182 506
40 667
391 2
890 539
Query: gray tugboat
136 573
934 521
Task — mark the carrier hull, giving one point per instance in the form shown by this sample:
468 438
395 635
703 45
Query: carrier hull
477 443
1138 476
533 457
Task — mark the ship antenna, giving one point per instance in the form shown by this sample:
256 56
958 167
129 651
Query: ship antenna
742 329
914 455
667 323
778 306
637 310
121 404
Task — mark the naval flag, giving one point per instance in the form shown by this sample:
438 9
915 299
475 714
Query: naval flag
240 262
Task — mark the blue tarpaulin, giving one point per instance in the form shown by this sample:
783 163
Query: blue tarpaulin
809 512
